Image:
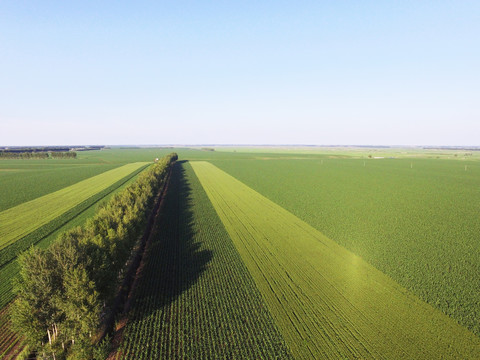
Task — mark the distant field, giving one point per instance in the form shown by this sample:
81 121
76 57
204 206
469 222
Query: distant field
327 301
416 220
25 180
22 219
357 152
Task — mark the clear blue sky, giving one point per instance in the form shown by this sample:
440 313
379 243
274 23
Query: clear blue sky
245 72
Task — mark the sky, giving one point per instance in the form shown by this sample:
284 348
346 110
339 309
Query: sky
240 72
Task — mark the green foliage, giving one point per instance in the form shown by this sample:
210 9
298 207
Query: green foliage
327 302
195 298
102 349
35 310
60 289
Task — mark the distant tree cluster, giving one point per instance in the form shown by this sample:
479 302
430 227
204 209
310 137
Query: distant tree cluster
63 155
63 291
38 155
23 155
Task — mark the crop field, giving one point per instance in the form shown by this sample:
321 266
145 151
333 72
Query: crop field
276 253
327 301
25 180
22 219
415 220
196 299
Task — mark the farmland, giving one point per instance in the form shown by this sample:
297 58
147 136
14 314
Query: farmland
323 297
415 220
381 248
94 256
22 219
34 178
195 298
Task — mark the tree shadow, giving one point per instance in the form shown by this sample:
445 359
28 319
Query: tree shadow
175 260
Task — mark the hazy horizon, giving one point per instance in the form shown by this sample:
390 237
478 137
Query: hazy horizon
393 146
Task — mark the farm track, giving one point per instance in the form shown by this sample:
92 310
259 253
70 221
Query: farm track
195 299
327 302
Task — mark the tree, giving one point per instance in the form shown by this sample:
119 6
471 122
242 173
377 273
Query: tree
35 312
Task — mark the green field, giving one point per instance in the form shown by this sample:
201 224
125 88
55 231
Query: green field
357 152
413 219
400 230
25 180
327 301
22 219
196 299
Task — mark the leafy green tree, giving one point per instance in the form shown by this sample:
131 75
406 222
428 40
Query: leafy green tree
35 313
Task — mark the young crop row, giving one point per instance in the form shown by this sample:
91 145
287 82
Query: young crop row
9 268
64 292
327 302
195 298
10 342
415 220
21 220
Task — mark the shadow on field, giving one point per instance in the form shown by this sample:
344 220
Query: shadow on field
174 261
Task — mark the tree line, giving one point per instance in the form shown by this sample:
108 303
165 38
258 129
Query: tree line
63 155
64 291
38 155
